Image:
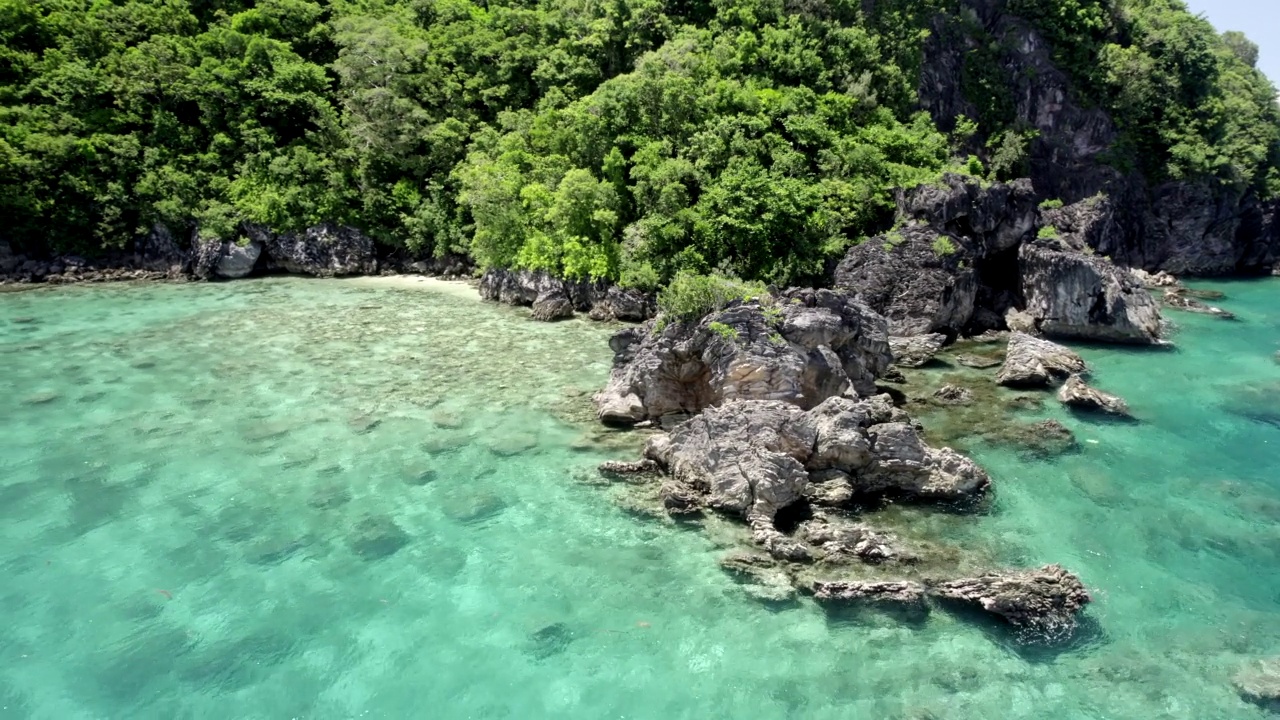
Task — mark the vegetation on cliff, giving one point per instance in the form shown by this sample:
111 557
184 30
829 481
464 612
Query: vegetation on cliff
624 139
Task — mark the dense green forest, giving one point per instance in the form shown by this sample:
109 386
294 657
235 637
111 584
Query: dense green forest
620 139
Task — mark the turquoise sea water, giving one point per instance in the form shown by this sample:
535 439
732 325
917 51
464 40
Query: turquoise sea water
336 499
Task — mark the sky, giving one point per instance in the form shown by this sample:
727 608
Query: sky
1258 19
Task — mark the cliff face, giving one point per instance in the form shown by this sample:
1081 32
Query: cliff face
1184 227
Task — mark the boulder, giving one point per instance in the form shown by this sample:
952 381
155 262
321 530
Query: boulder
1042 603
978 362
552 305
917 350
1152 281
1078 295
235 260
1034 362
1076 393
839 540
1259 683
800 347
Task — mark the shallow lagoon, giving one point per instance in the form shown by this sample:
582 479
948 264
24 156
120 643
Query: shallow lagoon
283 498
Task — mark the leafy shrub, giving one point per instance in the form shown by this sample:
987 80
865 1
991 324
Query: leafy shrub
690 296
724 331
1048 232
1052 204
943 247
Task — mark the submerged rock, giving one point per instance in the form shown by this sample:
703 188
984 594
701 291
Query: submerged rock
978 362
1077 394
917 350
762 577
1076 295
953 395
1042 603
801 347
623 469
1182 301
1034 362
1259 683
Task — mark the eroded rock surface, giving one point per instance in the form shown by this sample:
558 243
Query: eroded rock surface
917 350
554 298
1035 362
896 593
1077 295
1076 393
800 348
1184 301
1042 604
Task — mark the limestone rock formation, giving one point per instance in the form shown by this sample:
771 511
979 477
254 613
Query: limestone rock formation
1077 394
554 298
953 395
1070 294
917 289
325 250
753 457
917 350
1034 362
801 347
1042 603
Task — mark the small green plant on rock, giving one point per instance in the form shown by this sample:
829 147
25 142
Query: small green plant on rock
943 247
690 295
1048 232
777 339
773 315
724 331
1052 204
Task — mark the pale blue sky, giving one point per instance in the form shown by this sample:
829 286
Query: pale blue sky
1259 19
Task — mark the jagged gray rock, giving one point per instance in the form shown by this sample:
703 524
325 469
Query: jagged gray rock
811 345
1042 604
1077 394
917 289
1035 362
550 295
905 594
1069 294
552 305
917 350
325 250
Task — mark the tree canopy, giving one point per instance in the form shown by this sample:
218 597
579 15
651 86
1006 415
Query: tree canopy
623 139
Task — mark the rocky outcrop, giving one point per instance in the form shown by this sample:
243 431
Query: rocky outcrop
751 458
1259 683
800 347
917 288
325 250
1076 393
553 298
952 395
1183 301
1034 362
917 350
1184 227
1075 295
894 593
1042 604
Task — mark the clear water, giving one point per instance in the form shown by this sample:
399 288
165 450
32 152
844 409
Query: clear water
331 499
